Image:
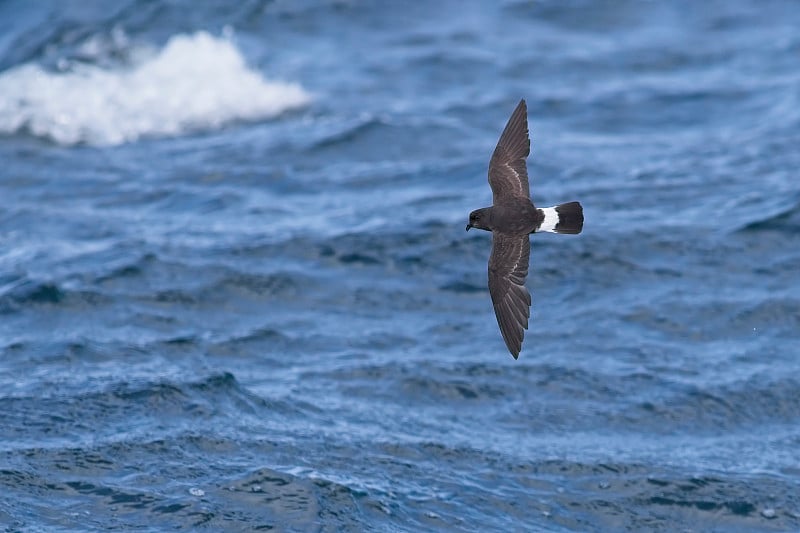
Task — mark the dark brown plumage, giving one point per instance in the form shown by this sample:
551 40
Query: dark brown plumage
508 173
511 218
508 268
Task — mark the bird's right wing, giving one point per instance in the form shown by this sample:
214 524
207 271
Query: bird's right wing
508 173
508 268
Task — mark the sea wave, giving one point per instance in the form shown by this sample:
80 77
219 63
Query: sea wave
786 219
195 82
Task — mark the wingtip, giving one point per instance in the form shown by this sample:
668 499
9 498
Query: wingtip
514 349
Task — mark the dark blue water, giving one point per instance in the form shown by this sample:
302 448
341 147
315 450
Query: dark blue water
236 292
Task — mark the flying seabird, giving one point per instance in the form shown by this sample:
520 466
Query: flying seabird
511 218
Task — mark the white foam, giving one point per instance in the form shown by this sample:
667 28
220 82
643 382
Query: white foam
195 82
550 219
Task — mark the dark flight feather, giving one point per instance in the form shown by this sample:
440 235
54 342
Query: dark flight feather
508 174
508 268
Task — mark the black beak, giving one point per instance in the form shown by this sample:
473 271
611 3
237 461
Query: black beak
468 226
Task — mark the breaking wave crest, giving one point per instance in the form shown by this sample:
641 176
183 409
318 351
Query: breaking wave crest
195 82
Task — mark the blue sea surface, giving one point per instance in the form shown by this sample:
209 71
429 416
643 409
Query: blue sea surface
236 293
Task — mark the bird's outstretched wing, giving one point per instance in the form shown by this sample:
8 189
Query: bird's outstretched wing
508 268
508 174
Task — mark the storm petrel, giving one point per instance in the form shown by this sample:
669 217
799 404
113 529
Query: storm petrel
511 218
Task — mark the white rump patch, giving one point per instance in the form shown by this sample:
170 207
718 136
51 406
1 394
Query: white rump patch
550 219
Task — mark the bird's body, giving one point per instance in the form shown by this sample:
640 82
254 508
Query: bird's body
517 216
511 218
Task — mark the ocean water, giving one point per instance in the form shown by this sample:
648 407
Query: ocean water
236 293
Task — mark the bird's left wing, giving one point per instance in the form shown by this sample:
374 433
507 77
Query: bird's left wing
508 268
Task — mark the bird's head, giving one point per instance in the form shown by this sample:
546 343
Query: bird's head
479 219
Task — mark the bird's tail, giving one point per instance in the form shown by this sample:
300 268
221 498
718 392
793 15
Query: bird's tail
564 218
